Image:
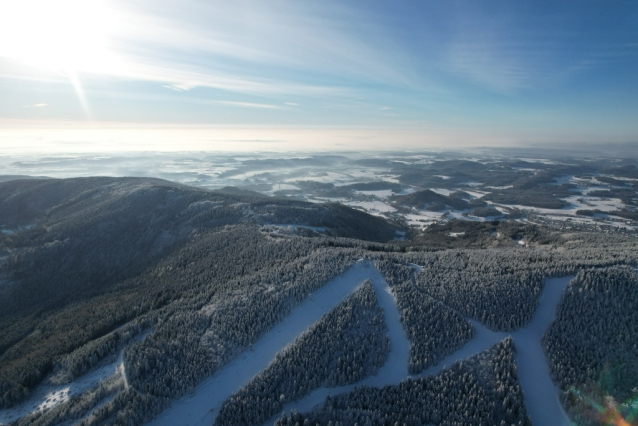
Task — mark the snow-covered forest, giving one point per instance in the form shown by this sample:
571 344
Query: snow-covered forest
203 277
480 390
592 346
346 345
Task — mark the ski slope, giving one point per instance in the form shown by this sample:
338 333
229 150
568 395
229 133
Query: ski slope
201 407
541 395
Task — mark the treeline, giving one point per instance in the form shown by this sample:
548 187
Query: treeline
436 201
542 196
591 346
105 348
483 389
346 345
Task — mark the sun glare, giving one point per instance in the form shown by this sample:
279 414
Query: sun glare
68 36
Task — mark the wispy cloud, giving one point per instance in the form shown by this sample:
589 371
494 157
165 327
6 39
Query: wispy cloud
187 44
40 105
249 105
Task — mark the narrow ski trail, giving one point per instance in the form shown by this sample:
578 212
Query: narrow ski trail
541 396
202 406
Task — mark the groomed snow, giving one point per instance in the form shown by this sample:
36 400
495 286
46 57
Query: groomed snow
541 395
201 407
393 371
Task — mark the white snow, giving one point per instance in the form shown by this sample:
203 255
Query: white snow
455 234
45 397
372 207
500 187
394 370
284 187
202 406
541 395
443 191
381 193
477 194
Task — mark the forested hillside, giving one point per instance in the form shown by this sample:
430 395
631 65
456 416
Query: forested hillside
170 284
102 252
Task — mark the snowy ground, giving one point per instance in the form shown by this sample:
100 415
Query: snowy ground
541 397
44 397
201 407
292 227
392 373
372 207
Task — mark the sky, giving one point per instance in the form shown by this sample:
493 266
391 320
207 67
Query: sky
142 75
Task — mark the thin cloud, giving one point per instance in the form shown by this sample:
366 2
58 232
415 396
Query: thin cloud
40 105
249 105
220 45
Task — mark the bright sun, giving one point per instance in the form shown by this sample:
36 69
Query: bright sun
67 36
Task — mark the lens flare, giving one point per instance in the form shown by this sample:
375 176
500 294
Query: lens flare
608 412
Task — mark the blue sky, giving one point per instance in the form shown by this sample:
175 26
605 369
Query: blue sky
408 73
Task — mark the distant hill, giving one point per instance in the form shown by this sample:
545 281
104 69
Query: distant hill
6 178
435 201
91 232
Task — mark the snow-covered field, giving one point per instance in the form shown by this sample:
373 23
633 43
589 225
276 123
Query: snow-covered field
292 227
393 372
372 207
